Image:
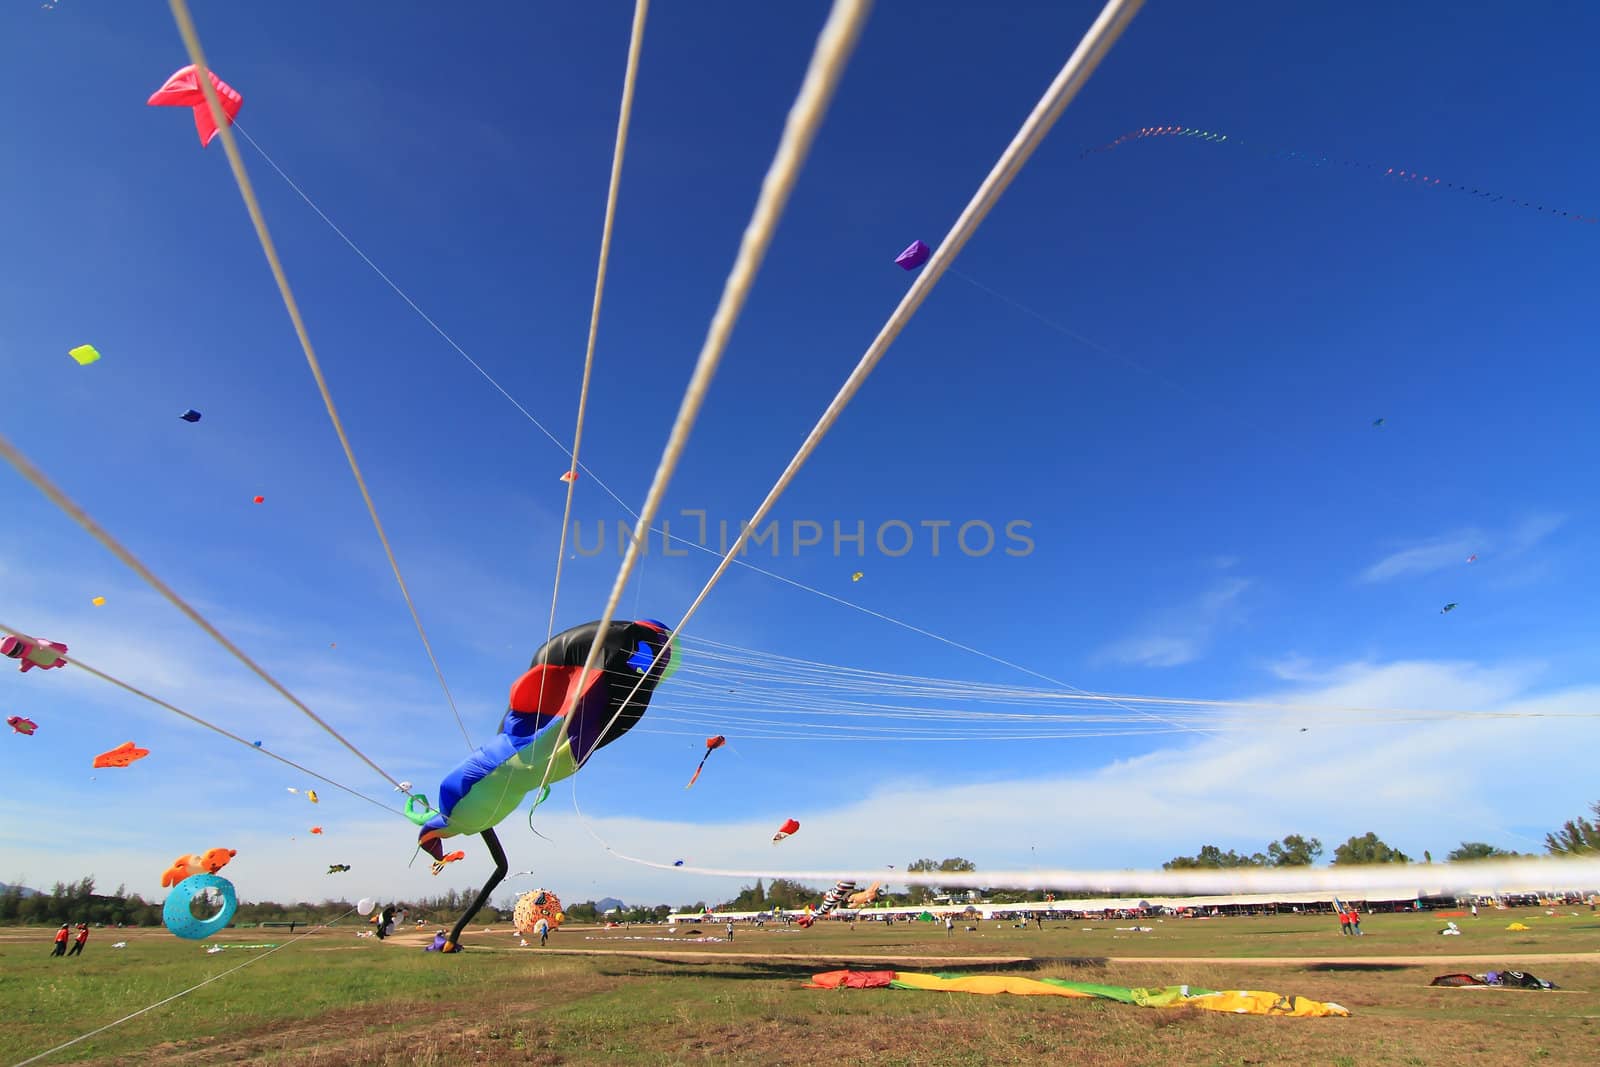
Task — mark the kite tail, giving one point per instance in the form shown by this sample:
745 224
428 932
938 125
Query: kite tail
697 771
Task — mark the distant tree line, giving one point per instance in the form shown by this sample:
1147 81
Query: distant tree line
74 902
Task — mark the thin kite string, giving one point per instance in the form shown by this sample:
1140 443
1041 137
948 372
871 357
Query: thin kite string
191 39
828 61
37 477
666 534
167 1000
312 204
623 119
1113 19
136 691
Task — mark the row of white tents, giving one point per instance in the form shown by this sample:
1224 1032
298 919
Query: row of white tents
1388 900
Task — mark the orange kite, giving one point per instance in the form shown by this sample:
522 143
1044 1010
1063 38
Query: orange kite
121 756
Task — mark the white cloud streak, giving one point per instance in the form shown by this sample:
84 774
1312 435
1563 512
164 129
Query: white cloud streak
1182 635
1454 549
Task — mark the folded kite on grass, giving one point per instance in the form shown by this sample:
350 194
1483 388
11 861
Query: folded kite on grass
1233 1001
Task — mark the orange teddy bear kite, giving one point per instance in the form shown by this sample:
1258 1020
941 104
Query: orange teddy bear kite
185 866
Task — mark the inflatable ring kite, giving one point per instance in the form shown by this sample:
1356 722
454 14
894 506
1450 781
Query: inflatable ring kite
181 921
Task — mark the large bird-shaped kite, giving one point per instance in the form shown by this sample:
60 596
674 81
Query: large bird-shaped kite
494 779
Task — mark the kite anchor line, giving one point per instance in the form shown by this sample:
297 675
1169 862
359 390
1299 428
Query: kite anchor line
191 40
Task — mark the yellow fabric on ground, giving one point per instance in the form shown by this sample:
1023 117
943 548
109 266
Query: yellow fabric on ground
987 984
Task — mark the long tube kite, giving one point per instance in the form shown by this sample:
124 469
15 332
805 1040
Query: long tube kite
712 744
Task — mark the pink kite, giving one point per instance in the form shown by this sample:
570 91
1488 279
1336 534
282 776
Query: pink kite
183 90
32 652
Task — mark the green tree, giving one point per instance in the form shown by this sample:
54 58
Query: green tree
1367 849
1578 837
1477 850
1211 857
1294 851
953 865
750 898
790 896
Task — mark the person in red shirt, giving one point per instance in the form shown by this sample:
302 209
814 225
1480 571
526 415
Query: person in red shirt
83 935
61 941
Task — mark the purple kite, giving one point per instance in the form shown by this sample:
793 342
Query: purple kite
914 257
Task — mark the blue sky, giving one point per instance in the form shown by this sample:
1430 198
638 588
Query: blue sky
1212 513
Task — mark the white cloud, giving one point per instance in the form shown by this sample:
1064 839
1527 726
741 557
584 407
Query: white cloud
1530 531
1181 635
1453 549
1434 555
1418 785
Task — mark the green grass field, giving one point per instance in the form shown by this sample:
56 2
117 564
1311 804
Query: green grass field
606 996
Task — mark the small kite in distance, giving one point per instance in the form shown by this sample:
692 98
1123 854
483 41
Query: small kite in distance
1472 558
84 354
1447 609
21 725
338 868
99 601
259 500
316 829
570 477
449 857
1377 422
789 827
857 576
712 744
183 90
914 256
190 416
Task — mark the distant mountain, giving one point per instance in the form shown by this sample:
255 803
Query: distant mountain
605 904
4 888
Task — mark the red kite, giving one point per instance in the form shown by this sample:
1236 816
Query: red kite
183 90
712 744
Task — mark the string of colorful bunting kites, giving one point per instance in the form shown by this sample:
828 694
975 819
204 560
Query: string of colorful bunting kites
1401 174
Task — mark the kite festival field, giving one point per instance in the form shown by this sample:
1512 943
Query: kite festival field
642 995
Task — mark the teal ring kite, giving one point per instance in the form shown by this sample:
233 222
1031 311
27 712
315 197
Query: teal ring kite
181 921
